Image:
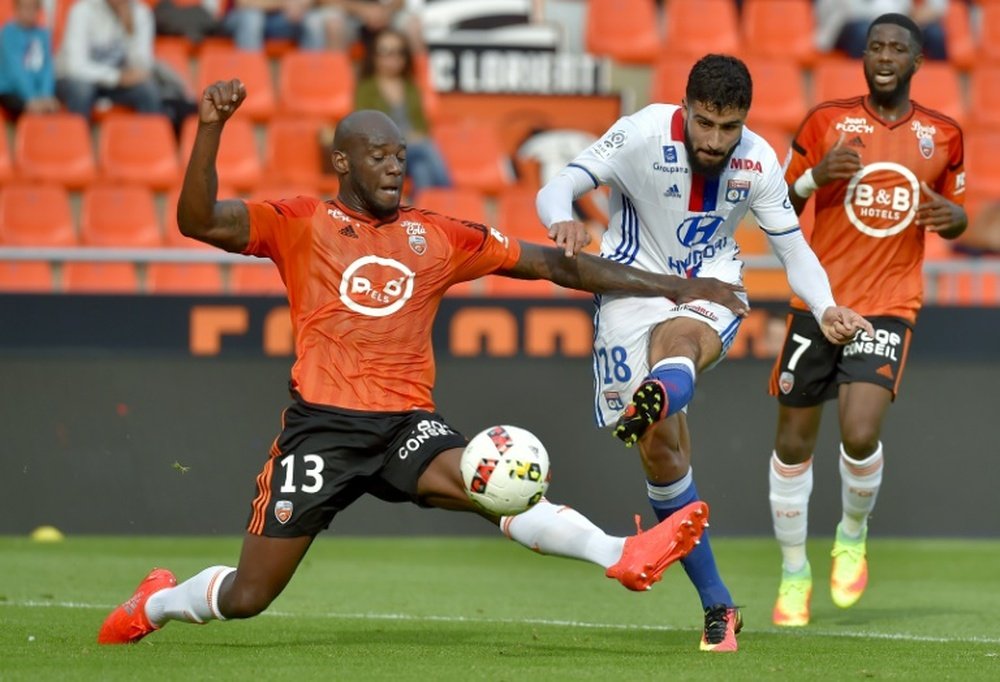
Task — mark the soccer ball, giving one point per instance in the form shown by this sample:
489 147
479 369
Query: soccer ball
505 469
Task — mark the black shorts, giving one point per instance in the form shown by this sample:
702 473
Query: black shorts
810 368
325 458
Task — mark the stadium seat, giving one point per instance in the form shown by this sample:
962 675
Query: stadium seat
778 137
175 52
627 31
982 160
989 32
25 277
238 162
474 155
508 287
316 84
837 78
517 218
937 86
669 79
958 34
138 148
54 148
698 27
779 97
779 29
256 279
6 165
294 154
277 191
122 216
766 285
36 215
6 11
752 240
984 95
183 278
466 204
428 95
99 278
172 236
218 63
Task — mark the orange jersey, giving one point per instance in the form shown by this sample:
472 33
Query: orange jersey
363 294
865 233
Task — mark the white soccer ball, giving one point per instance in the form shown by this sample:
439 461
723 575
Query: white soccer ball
505 469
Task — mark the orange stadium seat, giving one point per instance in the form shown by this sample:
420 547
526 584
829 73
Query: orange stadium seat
517 218
278 191
54 148
766 285
669 80
219 63
958 34
6 11
36 215
172 236
25 277
837 78
508 287
138 148
624 30
466 204
238 162
175 52
317 84
937 86
779 96
751 239
989 32
6 165
984 95
255 279
294 154
779 29
121 216
698 27
982 160
474 155
183 278
428 95
99 278
779 138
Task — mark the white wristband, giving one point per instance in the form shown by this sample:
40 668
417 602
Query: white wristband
805 185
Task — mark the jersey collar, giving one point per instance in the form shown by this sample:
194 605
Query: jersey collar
364 217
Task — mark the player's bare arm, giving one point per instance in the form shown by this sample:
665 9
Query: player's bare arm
601 276
570 235
200 215
840 163
939 215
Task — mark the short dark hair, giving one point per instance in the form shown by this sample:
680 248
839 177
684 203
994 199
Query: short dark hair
720 82
903 21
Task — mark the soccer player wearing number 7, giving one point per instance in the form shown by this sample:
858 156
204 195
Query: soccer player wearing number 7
682 178
885 171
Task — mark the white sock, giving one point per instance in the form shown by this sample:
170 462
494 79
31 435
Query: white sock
556 529
790 487
859 484
195 600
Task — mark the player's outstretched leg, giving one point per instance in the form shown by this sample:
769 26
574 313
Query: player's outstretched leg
129 623
649 405
647 555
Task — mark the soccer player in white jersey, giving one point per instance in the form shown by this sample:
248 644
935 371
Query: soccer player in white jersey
682 178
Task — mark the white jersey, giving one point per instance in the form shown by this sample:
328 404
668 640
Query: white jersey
664 218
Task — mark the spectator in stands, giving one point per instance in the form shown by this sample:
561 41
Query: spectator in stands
193 21
107 52
347 21
27 77
251 22
843 24
387 83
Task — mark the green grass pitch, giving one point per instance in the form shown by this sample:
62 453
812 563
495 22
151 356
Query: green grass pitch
487 609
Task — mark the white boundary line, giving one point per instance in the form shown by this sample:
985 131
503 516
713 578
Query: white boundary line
803 632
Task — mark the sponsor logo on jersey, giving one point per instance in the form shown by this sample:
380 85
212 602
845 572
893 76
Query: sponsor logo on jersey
421 433
786 382
699 310
697 230
661 168
418 244
337 214
375 286
855 124
921 131
609 145
885 344
960 182
745 164
737 191
349 232
413 227
926 146
881 199
856 141
614 400
283 511
669 154
673 192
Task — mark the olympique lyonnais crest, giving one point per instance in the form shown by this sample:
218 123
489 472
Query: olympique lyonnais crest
283 511
786 382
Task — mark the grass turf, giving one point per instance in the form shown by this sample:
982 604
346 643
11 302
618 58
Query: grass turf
486 609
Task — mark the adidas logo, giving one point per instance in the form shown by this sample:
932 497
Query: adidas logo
885 371
349 232
673 192
856 141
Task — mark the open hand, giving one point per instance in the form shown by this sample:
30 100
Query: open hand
715 290
220 100
570 235
840 324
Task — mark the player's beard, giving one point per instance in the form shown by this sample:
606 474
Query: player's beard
709 170
893 97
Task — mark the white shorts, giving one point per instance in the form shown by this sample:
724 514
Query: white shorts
621 344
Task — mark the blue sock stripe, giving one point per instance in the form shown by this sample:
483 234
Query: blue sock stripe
679 383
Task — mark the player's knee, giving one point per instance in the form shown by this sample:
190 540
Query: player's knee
244 602
860 442
793 448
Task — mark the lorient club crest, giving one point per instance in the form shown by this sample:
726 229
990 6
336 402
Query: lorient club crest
786 382
418 243
283 511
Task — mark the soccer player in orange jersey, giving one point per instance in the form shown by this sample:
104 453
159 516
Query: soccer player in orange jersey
885 171
364 278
